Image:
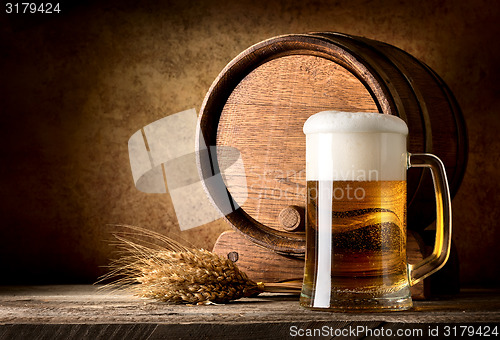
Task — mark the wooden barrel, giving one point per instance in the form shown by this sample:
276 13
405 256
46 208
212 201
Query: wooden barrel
260 101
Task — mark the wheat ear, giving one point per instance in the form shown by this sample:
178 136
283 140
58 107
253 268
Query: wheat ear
173 273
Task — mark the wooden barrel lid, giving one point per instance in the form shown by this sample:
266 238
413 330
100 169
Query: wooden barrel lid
260 101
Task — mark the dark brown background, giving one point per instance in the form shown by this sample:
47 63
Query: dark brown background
75 86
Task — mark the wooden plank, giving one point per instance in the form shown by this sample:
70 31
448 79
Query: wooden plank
84 312
85 304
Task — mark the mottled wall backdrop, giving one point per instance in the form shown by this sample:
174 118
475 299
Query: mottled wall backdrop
75 86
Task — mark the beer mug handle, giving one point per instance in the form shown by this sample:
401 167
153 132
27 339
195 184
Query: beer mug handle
439 256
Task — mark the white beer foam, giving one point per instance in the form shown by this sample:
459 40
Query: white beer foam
348 146
337 121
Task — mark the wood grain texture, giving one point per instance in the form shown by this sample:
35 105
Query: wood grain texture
84 312
260 101
263 119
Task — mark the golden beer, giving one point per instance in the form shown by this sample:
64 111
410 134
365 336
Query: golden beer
368 241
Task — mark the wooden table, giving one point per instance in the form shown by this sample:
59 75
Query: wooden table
83 311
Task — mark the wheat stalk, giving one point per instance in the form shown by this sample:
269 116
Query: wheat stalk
174 273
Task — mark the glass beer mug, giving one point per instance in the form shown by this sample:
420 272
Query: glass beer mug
356 167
